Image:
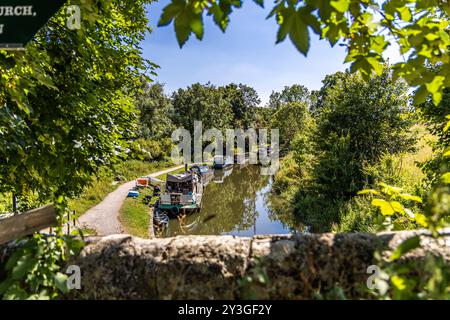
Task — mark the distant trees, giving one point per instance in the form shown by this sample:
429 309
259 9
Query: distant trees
204 103
294 93
230 106
156 112
291 119
244 102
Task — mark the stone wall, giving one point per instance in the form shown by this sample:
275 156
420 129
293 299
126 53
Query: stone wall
225 267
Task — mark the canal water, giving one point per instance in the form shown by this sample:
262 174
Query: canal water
236 202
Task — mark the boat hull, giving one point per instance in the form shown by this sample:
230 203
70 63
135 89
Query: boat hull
220 166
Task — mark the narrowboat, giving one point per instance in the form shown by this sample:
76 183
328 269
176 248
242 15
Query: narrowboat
205 172
183 193
221 162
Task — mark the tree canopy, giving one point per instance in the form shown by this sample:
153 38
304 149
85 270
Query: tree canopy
294 93
419 28
66 103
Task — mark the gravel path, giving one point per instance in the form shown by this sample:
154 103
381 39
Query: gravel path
104 217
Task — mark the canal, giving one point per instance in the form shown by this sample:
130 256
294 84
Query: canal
236 202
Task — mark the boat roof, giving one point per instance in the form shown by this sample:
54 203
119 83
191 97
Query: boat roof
181 177
201 168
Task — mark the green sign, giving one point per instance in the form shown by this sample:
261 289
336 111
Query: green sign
20 20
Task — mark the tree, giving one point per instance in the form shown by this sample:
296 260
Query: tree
201 103
291 119
365 27
156 111
294 93
318 99
66 112
66 103
244 100
360 121
436 120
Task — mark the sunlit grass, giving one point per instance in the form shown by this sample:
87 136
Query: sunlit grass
135 215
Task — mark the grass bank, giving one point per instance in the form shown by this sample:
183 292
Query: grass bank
126 171
134 214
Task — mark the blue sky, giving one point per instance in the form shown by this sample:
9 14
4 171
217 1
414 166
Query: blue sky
246 53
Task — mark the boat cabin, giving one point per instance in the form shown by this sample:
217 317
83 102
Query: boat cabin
182 191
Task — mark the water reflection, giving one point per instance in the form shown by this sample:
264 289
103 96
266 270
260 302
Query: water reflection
235 202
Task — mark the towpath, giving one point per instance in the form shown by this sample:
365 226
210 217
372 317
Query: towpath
104 217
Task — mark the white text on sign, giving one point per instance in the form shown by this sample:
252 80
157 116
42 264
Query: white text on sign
16 11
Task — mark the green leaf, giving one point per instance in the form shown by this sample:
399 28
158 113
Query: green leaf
397 206
4 286
379 44
219 17
446 153
435 88
12 261
447 127
182 28
421 220
299 34
420 96
385 207
24 265
445 178
368 191
196 25
259 3
310 20
409 197
405 247
325 8
376 65
405 13
169 13
61 282
340 5
399 283
286 20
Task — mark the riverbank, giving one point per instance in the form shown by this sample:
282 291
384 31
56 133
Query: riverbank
298 190
126 171
134 214
104 217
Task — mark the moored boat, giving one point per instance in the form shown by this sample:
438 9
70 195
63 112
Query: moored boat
183 193
206 173
221 162
160 219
